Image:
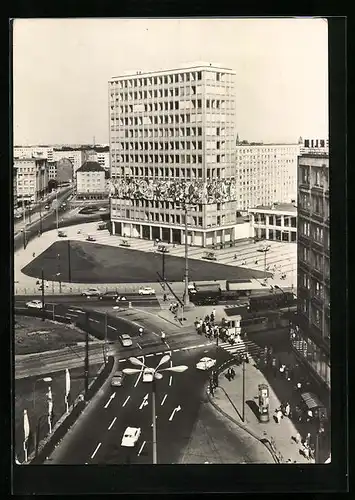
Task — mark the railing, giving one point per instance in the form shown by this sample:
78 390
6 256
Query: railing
74 289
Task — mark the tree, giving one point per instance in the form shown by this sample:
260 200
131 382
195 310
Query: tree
52 184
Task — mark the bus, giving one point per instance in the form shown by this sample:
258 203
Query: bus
272 301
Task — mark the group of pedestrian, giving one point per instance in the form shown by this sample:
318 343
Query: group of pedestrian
173 308
230 374
207 326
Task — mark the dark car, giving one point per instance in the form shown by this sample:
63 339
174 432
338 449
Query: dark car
90 238
110 295
163 249
209 256
62 234
124 243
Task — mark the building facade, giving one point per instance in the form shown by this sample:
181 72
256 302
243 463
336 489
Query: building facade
14 186
266 173
91 181
52 170
172 143
311 335
76 157
32 179
21 152
65 171
103 158
274 222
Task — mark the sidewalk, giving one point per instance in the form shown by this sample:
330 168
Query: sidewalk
228 398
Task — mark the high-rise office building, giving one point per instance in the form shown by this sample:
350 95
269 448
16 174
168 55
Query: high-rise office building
172 141
311 337
266 173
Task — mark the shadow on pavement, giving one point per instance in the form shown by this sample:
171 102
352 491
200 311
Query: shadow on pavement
254 407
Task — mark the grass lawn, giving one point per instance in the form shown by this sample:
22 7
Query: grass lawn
34 335
95 263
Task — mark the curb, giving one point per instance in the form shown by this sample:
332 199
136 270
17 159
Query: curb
263 440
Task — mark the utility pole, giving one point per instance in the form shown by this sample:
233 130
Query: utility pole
69 263
40 218
186 293
154 421
105 345
56 207
43 311
87 355
163 265
243 393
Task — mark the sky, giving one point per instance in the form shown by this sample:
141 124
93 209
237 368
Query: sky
61 69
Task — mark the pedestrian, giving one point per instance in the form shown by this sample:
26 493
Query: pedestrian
33 255
287 410
140 331
299 386
165 298
298 438
211 389
309 415
307 441
277 416
282 370
256 262
305 451
232 373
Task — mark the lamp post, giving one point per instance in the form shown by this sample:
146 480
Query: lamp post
59 273
43 379
163 264
56 209
185 206
151 375
69 263
243 391
265 249
43 310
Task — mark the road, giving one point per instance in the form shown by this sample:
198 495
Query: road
97 438
135 298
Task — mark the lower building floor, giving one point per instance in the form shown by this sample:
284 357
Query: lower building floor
168 234
311 354
285 234
91 196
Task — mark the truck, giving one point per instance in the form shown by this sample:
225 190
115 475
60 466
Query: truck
208 293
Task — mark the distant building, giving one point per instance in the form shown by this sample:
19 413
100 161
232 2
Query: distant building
14 180
311 334
21 152
276 222
76 157
91 181
32 179
265 173
65 171
52 170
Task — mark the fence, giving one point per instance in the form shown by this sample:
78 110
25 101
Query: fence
67 421
55 288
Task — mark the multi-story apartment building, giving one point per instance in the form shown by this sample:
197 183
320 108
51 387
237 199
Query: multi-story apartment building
32 179
52 170
91 181
33 152
103 157
276 222
172 143
77 157
266 173
311 336
14 186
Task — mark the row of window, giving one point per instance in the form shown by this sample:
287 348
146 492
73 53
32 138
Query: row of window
315 260
166 159
312 230
177 133
275 220
314 203
314 355
169 218
167 120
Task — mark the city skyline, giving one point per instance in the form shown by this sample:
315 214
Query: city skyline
271 84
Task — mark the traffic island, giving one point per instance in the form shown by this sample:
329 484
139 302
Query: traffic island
279 438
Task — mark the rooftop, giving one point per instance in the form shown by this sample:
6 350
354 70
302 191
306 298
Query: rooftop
203 66
91 166
280 207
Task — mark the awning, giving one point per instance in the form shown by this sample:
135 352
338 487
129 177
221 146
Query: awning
311 400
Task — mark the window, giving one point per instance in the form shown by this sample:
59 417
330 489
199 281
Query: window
305 281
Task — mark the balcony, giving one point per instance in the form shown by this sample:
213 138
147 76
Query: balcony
318 189
318 299
318 274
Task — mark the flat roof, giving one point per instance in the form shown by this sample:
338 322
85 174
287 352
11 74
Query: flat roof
173 70
281 207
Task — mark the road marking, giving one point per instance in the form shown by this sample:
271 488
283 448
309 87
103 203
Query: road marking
176 350
75 315
158 353
178 408
144 402
111 424
152 354
96 450
113 328
140 373
141 448
124 404
79 311
109 401
163 401
124 359
170 380
96 320
140 347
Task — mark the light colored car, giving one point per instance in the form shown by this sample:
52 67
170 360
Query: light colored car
34 304
148 374
117 379
146 290
103 209
205 363
125 340
131 436
91 292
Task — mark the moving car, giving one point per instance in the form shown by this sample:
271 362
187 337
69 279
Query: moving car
163 248
131 436
125 340
148 374
205 363
103 209
117 379
91 292
191 288
209 256
62 234
34 304
110 295
47 207
146 290
90 238
124 243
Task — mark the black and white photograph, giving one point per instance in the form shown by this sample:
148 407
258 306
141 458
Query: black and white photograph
171 241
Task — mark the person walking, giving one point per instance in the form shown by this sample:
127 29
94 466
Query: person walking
165 298
232 373
140 331
287 410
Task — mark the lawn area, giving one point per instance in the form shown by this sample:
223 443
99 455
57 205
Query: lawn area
95 263
34 335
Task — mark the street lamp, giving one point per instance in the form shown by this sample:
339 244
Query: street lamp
265 249
43 379
186 205
151 375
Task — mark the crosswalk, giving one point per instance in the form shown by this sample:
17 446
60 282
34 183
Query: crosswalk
241 347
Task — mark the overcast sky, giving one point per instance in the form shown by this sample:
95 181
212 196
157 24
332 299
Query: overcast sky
62 66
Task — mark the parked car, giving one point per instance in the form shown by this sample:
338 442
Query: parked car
209 256
163 248
117 379
62 234
125 340
47 207
91 292
131 436
90 238
103 209
34 304
124 243
205 363
146 290
110 295
101 226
